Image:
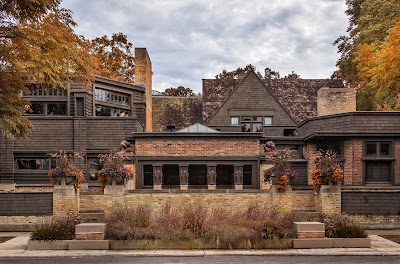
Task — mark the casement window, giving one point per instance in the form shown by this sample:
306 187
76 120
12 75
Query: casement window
148 176
47 108
32 163
378 162
251 123
111 96
102 110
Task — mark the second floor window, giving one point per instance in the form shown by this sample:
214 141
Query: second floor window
251 123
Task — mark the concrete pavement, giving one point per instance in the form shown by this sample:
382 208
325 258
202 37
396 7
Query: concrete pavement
17 247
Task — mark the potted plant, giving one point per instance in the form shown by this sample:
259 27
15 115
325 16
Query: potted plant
65 171
282 172
113 172
328 170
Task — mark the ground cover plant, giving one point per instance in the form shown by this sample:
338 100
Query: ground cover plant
56 228
226 228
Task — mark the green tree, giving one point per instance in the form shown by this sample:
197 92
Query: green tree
113 57
37 46
179 91
369 21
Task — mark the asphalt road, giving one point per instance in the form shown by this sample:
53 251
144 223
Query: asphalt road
208 259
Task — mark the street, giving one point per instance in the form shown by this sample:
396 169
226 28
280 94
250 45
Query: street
206 259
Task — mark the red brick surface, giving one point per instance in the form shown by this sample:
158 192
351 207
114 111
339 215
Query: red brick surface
197 147
353 165
302 235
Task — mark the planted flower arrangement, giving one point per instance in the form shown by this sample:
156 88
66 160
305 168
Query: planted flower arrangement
282 171
328 169
113 171
65 169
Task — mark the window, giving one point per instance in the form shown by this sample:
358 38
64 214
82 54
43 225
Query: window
42 90
225 176
111 111
247 174
56 108
111 96
378 149
234 120
37 108
94 168
47 108
171 176
267 120
251 123
35 163
197 176
147 175
378 162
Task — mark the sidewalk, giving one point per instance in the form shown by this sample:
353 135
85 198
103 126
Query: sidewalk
17 247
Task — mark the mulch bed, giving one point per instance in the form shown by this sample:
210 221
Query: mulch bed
4 239
394 238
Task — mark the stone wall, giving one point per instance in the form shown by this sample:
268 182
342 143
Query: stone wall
178 111
336 100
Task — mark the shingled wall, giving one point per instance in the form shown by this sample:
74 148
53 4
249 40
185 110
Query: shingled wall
298 96
178 111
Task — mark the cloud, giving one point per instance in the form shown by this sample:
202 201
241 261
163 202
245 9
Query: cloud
191 40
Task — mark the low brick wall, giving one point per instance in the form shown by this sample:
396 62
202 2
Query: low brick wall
234 201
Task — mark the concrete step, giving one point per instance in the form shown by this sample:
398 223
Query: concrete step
90 228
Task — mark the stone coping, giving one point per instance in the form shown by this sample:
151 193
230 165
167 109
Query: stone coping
197 244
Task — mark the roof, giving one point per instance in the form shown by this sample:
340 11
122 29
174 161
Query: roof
198 128
299 97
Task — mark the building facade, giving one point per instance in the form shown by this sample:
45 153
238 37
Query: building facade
89 120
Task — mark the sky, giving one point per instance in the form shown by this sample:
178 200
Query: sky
193 40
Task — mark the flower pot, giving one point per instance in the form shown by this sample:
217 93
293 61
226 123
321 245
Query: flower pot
68 180
115 181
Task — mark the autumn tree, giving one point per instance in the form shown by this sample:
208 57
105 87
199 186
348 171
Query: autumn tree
113 57
179 91
369 21
37 46
378 67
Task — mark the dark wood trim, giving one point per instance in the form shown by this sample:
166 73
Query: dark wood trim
186 159
186 135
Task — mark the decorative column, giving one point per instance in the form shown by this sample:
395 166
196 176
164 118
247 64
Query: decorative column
157 176
184 176
238 176
212 176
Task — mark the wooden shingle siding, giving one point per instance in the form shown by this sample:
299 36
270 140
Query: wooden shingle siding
26 204
371 203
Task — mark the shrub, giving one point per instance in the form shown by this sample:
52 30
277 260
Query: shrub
194 218
130 223
57 228
340 226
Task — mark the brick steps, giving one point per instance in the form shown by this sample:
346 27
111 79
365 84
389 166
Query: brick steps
93 216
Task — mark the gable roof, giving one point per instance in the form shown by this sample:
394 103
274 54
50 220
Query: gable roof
299 97
248 75
198 128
